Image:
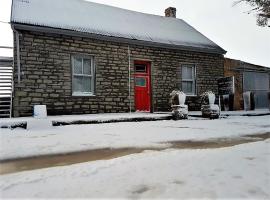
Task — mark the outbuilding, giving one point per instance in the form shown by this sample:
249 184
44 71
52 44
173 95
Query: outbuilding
251 83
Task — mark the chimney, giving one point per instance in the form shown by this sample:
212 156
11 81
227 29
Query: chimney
170 12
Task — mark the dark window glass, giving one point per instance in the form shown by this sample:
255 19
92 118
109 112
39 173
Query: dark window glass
140 68
140 81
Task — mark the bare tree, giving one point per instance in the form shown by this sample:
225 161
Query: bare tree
261 8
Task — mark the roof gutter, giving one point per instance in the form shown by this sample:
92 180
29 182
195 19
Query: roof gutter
43 29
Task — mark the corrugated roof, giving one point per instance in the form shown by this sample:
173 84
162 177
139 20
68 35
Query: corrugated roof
87 17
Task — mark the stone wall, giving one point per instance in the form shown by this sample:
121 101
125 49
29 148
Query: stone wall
46 74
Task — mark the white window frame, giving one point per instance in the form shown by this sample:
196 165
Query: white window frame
192 80
91 75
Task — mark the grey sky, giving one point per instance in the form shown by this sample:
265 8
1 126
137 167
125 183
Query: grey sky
230 27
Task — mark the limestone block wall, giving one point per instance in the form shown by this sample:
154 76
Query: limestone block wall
46 74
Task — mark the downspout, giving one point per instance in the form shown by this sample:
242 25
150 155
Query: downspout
18 56
129 80
17 37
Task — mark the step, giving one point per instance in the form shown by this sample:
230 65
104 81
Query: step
5 70
3 102
5 95
5 77
5 74
5 84
5 88
5 98
4 105
4 110
5 91
4 115
7 104
5 67
5 80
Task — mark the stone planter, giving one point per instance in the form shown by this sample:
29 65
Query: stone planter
179 112
211 110
179 109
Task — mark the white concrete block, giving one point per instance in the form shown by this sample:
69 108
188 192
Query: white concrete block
40 111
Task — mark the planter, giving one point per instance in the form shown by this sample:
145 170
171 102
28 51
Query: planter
179 109
180 112
209 110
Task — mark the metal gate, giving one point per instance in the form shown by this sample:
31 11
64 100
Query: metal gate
258 83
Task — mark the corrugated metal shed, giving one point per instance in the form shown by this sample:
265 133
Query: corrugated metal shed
87 17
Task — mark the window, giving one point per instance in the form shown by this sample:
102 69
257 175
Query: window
83 75
140 81
140 68
188 79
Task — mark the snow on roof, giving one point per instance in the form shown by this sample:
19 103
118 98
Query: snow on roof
87 17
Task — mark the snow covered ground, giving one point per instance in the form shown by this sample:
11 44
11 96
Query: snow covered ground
234 172
241 171
21 143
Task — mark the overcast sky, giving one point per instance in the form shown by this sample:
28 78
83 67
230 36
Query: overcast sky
230 27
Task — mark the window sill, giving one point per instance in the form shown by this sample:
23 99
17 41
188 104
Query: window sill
83 95
191 95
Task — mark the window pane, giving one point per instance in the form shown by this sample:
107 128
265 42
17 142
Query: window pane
86 84
81 84
187 87
140 81
256 81
77 68
140 68
261 99
77 84
187 72
87 66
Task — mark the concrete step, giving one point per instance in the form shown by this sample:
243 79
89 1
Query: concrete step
5 80
5 95
6 67
4 115
5 84
5 91
5 88
5 77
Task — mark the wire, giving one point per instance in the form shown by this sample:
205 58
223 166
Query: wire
5 47
4 22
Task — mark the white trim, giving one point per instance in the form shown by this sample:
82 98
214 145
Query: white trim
233 84
193 80
91 76
82 94
191 95
18 56
129 80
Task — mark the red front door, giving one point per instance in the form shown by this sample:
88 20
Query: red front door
142 86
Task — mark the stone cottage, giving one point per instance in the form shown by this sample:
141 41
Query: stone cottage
82 57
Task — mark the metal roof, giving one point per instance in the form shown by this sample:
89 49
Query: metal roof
93 18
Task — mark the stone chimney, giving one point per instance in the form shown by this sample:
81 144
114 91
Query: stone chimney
170 12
